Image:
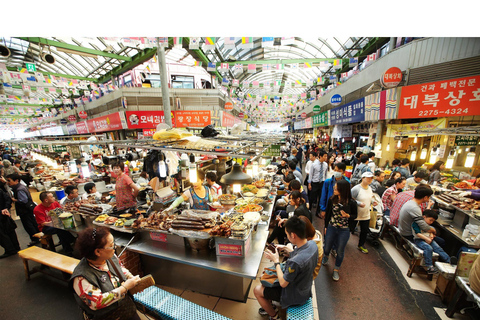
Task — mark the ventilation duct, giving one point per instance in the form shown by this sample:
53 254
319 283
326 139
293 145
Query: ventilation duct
4 52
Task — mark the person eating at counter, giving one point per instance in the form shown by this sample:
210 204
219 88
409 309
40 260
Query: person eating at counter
45 224
71 195
126 189
435 176
91 191
198 195
417 178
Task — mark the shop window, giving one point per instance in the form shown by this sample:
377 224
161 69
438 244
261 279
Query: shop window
182 82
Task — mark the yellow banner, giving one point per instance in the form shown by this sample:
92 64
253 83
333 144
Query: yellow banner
402 129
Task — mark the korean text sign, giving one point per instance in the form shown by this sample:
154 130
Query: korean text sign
348 113
228 120
320 120
196 119
144 119
109 122
448 98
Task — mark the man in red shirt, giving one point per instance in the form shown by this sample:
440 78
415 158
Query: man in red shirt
45 224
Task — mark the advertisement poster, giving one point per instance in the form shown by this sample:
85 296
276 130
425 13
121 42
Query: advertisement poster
228 120
111 122
348 113
81 127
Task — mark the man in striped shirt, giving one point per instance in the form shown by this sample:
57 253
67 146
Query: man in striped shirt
391 193
398 203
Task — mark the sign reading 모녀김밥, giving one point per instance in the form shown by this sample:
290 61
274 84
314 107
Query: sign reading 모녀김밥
448 98
196 119
144 119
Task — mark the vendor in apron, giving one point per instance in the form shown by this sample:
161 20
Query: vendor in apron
198 195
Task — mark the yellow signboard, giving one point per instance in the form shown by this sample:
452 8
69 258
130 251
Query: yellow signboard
403 129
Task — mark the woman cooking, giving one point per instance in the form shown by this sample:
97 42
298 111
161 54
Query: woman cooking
125 189
99 289
198 195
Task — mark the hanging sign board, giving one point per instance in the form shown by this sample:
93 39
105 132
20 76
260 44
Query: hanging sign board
144 119
320 120
83 115
466 141
272 151
336 99
111 122
316 108
149 132
228 120
72 118
448 98
228 106
196 119
391 78
348 113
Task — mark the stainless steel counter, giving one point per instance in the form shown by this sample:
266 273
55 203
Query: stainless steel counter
203 271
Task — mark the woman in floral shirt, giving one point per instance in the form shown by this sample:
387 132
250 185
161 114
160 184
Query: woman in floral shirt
99 291
126 190
341 212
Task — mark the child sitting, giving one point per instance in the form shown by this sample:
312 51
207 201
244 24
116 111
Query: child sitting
426 242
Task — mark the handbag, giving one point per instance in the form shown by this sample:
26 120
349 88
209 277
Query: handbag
269 277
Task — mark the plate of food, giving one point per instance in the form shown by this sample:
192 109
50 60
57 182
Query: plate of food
249 188
110 220
101 218
227 199
243 208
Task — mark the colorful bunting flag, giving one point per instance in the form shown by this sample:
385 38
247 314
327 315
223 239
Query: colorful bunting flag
255 84
279 67
210 43
304 95
194 43
320 80
266 67
298 83
247 42
238 67
294 66
324 64
337 64
235 82
177 42
288 41
371 57
225 82
353 62
307 65
229 43
198 63
277 83
223 67
211 66
268 42
252 68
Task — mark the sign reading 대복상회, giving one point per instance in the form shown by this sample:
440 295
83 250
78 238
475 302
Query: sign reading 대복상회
447 98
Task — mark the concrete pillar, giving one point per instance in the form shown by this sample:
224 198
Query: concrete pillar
162 66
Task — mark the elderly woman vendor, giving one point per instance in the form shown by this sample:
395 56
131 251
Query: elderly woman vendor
100 290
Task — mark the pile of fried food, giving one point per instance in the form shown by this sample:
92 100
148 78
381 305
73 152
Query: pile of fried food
75 206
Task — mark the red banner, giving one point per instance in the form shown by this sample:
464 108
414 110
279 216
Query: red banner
109 122
149 132
144 119
196 119
227 120
81 127
448 98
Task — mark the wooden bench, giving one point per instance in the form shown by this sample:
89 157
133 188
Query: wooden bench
302 312
47 258
414 253
170 306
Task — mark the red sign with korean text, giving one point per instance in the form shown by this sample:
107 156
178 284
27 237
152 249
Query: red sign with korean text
149 132
240 115
392 77
304 115
81 127
109 122
196 119
448 98
227 120
83 114
72 118
228 106
144 119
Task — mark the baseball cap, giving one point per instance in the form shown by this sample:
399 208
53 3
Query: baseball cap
367 174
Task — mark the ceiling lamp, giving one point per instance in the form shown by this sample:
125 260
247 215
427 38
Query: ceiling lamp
416 139
192 169
433 155
388 146
450 159
423 155
236 176
4 52
399 144
413 155
470 158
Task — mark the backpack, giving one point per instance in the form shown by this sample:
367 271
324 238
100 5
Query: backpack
357 174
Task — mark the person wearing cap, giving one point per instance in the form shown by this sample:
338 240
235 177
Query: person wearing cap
283 167
91 191
363 194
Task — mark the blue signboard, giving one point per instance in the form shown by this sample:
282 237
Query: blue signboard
348 113
336 99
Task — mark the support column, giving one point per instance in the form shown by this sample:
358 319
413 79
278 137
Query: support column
162 67
392 44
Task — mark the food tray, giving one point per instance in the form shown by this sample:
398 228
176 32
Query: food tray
120 229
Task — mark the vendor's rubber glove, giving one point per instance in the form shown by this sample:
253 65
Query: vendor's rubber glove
465 194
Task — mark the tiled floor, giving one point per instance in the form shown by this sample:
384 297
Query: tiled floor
228 308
